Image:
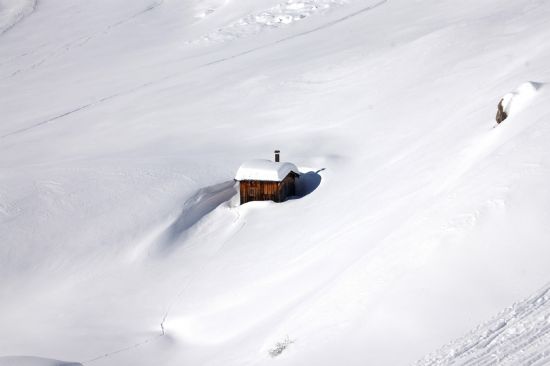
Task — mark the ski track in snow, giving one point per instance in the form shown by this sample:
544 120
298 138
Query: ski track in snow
75 110
244 53
122 350
520 335
80 41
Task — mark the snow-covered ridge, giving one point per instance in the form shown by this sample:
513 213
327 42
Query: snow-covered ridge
520 335
280 15
518 99
13 11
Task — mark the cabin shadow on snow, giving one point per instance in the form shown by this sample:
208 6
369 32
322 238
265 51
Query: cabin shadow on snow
307 183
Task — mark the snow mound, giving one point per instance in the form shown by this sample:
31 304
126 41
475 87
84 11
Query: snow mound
33 361
516 100
13 11
280 15
206 8
265 170
194 210
520 335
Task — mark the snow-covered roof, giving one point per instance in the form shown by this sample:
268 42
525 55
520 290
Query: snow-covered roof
262 169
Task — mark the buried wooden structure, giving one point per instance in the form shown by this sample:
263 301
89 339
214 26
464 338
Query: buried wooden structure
258 190
265 180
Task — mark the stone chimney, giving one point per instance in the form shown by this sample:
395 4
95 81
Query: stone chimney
277 152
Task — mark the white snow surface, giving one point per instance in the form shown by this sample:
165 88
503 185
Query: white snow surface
280 15
518 99
263 169
121 238
13 11
519 335
33 361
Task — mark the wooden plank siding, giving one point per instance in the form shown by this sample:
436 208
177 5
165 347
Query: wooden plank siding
258 190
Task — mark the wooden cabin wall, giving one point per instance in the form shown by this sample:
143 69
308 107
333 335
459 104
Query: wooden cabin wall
259 191
255 190
287 187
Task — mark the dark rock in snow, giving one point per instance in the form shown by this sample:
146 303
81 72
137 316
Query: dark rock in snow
501 114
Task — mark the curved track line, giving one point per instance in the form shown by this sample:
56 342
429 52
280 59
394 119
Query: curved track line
121 350
82 40
77 109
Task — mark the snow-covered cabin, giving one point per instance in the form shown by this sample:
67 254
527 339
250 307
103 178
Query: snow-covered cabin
266 180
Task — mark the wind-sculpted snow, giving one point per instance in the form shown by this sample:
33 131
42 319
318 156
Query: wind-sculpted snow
280 15
195 209
520 335
514 101
13 11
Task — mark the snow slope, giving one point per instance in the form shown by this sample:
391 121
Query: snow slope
517 336
121 238
32 361
13 11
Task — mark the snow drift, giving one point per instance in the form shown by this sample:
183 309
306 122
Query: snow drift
518 99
